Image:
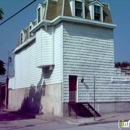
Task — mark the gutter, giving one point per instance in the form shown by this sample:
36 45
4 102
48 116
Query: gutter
60 19
72 19
85 21
24 44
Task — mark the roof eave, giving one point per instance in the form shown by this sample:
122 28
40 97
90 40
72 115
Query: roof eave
64 18
86 21
23 44
72 19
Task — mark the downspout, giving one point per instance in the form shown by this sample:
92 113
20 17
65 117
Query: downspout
53 43
62 82
62 71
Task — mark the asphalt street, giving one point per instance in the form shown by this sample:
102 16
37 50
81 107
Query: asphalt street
57 126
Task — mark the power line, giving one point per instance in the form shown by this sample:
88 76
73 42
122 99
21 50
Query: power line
17 12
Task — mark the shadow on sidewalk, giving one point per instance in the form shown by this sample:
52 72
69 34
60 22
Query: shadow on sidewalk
8 116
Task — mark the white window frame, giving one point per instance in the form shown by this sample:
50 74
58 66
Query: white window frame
40 7
95 6
30 26
92 13
101 13
78 8
22 37
72 5
39 15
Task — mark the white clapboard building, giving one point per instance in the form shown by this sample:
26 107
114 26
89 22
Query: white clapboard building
70 41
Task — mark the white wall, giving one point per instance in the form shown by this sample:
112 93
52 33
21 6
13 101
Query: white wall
44 47
26 72
57 75
88 52
39 52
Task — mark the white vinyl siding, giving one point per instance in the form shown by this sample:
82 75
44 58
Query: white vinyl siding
44 47
56 76
88 51
26 73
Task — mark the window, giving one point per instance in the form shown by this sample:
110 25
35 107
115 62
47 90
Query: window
30 30
39 17
78 9
30 27
97 13
96 10
21 37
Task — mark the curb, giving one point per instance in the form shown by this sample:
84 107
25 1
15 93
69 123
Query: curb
65 121
96 123
100 122
83 124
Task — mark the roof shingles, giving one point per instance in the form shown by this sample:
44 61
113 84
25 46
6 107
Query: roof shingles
55 9
67 10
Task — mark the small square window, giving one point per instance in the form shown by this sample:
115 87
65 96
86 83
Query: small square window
97 13
78 9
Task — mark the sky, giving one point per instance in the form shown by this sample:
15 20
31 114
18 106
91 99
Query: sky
10 31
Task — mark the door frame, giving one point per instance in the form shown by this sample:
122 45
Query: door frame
77 87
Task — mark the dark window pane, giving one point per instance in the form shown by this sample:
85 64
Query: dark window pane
78 5
39 18
97 9
78 9
78 12
21 37
97 14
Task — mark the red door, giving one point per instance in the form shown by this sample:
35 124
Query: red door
72 88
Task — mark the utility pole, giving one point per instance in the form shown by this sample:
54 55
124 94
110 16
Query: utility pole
7 79
94 98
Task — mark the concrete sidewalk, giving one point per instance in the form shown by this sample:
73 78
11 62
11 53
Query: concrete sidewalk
79 121
105 118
